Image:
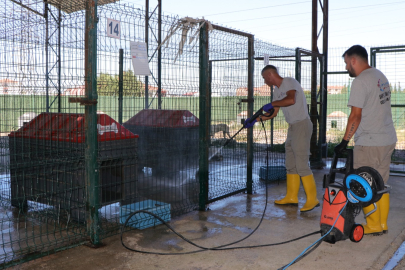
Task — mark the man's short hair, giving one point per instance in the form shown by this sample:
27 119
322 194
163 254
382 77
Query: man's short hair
357 50
269 67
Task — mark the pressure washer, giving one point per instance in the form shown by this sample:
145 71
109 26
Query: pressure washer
359 188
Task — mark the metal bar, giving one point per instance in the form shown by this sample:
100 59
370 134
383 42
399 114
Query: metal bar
314 159
91 145
310 53
160 55
324 71
46 56
227 195
249 169
273 57
390 51
257 58
120 85
209 97
298 65
203 121
387 47
271 121
30 9
236 32
147 51
398 106
322 109
372 57
59 61
335 72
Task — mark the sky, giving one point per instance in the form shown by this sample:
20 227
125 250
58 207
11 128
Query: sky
288 23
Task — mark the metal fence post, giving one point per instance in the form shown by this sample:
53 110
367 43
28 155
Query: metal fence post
91 151
298 65
249 181
120 85
204 117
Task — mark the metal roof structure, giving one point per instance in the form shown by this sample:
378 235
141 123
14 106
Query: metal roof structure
70 6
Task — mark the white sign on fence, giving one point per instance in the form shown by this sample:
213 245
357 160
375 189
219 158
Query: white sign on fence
140 58
113 28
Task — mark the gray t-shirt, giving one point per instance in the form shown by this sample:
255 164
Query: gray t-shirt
297 112
371 92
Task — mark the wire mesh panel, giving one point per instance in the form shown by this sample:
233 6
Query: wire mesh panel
338 90
162 109
43 193
228 53
391 61
38 175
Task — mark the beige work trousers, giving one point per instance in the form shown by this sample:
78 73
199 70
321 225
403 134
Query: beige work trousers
376 157
297 148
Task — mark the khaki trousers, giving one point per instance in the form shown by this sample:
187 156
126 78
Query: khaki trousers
297 148
376 157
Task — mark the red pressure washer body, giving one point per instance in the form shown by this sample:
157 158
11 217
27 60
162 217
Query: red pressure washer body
335 198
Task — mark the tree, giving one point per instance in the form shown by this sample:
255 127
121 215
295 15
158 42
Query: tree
107 85
399 87
344 89
349 85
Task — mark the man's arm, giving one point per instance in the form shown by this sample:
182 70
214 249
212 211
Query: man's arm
287 101
352 123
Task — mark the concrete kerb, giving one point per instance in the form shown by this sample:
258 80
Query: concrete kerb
386 255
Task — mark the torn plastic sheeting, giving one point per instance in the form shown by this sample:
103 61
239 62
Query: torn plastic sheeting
186 24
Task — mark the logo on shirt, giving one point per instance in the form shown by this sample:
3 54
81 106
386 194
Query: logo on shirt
383 86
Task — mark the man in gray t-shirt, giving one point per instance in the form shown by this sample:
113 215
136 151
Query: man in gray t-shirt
289 96
370 122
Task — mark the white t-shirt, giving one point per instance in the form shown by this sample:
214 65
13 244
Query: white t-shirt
371 92
297 112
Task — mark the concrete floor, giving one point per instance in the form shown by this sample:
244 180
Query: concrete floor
231 219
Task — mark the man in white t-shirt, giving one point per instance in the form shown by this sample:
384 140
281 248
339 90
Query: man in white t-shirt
370 122
289 96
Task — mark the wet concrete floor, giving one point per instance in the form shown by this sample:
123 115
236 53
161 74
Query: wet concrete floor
233 218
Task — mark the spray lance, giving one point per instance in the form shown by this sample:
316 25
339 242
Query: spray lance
251 119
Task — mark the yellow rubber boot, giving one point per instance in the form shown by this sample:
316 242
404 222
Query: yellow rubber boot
372 214
384 204
310 190
293 186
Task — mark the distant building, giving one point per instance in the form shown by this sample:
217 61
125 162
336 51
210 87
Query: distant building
152 91
263 90
334 89
9 87
77 91
191 94
336 120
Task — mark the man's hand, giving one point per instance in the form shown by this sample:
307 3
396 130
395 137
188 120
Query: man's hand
341 147
247 123
267 107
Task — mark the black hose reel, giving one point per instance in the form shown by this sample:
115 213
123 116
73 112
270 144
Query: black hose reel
364 185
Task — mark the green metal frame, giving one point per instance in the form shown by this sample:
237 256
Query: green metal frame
317 118
204 117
